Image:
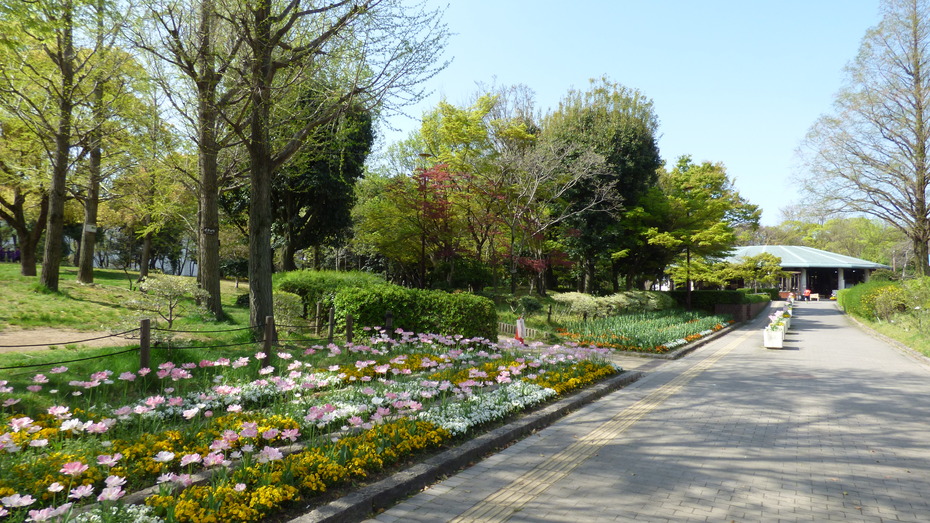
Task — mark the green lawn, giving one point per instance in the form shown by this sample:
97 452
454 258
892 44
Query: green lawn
97 307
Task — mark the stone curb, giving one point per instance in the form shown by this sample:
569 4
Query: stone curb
363 502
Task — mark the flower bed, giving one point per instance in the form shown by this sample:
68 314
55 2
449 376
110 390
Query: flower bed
224 440
655 332
773 336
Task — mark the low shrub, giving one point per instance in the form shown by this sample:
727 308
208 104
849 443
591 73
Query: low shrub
419 310
619 303
321 286
853 300
288 308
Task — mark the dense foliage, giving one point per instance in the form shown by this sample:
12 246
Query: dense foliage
418 310
322 286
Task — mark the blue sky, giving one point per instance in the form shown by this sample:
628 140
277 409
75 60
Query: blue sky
737 82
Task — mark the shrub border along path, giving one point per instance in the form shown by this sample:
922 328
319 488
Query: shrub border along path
365 501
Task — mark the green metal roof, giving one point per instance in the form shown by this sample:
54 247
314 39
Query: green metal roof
793 256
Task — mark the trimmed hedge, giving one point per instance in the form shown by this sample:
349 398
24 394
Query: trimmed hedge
313 286
419 311
853 300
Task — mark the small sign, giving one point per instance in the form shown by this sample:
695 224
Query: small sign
210 230
90 228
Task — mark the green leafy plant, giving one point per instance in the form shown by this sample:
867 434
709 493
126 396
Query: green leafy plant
165 296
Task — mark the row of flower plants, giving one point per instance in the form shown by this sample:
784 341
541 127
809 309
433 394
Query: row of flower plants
773 336
656 332
234 439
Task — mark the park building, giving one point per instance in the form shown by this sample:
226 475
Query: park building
823 272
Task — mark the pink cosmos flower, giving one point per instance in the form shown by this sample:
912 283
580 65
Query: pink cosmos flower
166 478
180 374
249 430
163 457
17 500
10 402
184 479
21 423
269 454
154 401
58 370
240 487
290 434
241 362
108 460
38 443
73 468
141 409
56 487
39 378
189 459
213 459
115 481
270 434
60 412
100 376
175 401
111 494
81 492
144 371
190 413
234 408
97 428
127 376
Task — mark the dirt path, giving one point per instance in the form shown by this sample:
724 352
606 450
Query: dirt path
20 340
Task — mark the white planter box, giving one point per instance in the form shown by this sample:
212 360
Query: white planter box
773 339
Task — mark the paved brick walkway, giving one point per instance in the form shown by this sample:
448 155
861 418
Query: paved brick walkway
836 426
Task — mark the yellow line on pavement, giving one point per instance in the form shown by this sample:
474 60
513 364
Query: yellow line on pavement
501 505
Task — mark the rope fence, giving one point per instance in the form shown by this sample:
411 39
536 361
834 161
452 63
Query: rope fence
147 344
119 334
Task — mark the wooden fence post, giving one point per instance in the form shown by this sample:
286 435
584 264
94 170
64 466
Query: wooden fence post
319 318
549 316
389 323
269 341
332 323
349 321
145 343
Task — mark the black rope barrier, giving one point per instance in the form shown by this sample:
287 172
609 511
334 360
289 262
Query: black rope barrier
182 347
204 332
69 361
69 342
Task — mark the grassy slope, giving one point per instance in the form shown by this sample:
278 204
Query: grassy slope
97 307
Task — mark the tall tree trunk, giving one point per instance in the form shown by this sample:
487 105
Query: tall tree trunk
91 203
287 254
208 236
54 236
15 216
146 259
260 267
